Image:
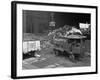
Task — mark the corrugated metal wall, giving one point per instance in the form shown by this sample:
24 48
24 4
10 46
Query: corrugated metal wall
35 21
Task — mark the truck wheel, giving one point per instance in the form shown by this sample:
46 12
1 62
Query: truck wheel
72 57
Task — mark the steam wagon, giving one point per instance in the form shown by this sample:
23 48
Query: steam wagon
69 46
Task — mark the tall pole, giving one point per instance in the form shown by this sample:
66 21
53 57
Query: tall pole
52 22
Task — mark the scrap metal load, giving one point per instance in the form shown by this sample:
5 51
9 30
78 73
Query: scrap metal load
64 32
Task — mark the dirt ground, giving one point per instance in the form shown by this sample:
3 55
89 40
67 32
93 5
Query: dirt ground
48 59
